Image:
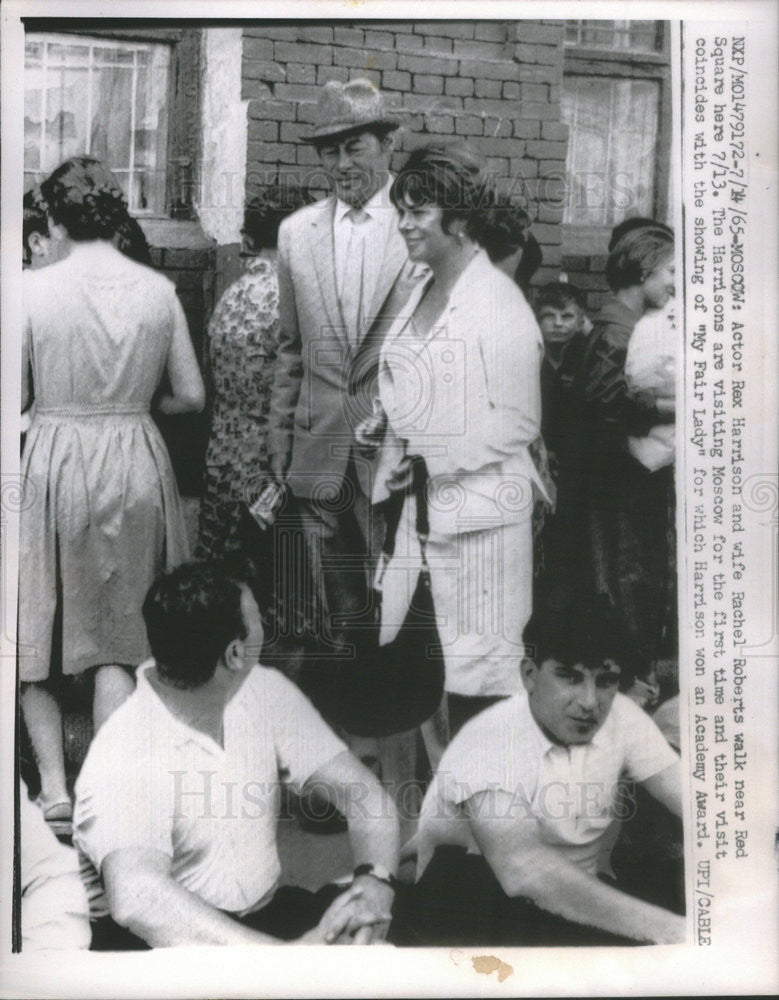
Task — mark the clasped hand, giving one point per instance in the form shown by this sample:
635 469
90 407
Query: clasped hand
401 479
360 915
369 432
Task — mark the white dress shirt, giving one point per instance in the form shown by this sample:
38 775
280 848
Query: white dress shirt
372 233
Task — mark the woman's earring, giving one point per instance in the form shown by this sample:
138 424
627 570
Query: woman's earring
460 236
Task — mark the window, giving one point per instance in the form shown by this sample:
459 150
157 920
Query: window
631 36
616 103
100 97
127 96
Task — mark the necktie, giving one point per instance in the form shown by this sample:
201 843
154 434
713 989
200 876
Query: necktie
352 276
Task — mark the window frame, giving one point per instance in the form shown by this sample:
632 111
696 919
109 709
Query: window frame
626 64
183 100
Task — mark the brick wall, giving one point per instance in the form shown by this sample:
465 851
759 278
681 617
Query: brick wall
494 83
589 274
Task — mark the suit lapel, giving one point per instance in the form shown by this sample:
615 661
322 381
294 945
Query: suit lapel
323 253
385 270
400 322
463 295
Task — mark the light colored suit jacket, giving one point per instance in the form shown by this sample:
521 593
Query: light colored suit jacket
323 384
467 398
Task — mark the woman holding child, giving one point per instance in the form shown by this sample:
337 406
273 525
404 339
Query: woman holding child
459 383
630 504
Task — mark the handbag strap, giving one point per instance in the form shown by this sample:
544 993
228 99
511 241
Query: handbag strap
393 508
419 489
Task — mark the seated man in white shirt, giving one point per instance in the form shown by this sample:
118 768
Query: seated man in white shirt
177 801
513 824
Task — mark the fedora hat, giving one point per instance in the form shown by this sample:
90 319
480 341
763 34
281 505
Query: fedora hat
348 107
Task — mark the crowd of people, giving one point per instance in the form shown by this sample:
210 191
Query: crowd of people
394 407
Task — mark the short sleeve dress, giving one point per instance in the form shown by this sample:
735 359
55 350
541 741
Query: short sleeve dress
101 514
243 341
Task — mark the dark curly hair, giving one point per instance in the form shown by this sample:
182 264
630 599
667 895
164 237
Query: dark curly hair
451 177
132 242
582 628
558 295
192 614
504 224
265 211
85 198
35 219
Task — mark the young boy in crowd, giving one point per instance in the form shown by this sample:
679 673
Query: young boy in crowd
564 325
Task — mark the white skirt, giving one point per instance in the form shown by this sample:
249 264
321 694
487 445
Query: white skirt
482 589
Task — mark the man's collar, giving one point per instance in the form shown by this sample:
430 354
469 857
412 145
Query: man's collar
531 727
378 201
182 731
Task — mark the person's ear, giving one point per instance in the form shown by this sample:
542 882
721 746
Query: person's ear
528 671
233 655
35 244
388 142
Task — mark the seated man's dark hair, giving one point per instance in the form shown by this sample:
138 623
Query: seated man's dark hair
558 295
581 628
192 614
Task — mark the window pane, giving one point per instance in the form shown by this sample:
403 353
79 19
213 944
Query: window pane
33 128
65 116
625 36
99 97
74 55
111 112
611 148
33 53
113 56
150 130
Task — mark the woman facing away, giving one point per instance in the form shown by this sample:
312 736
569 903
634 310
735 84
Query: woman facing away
459 382
101 513
630 504
243 340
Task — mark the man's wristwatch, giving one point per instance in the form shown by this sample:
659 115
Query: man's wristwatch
376 871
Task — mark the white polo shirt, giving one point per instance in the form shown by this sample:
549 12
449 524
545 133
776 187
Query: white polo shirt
570 791
151 781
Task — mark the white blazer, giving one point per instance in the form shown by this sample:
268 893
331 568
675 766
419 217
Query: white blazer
467 398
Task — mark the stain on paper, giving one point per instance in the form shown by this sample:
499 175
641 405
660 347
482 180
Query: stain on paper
487 964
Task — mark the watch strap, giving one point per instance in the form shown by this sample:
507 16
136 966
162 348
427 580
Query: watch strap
376 871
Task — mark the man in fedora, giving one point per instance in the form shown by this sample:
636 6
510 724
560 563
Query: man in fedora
343 275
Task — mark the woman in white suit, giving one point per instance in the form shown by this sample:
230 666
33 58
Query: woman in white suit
459 383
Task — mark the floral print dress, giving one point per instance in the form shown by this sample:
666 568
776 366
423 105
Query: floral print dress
243 339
